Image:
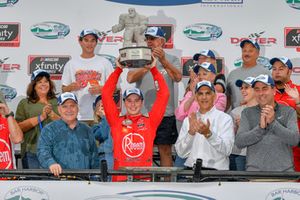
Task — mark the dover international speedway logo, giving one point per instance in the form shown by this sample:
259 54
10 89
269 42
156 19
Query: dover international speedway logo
50 30
202 32
294 4
7 3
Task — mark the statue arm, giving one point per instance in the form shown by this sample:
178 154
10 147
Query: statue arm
119 27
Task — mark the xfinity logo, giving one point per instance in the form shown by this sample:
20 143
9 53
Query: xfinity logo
292 37
9 34
54 65
50 30
202 32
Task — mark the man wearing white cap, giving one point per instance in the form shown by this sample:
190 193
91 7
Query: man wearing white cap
287 93
169 67
85 75
250 53
67 143
206 134
133 133
268 130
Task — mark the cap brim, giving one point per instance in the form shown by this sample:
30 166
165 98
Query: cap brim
273 60
239 83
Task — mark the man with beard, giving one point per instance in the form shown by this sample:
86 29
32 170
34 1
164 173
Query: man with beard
287 93
250 53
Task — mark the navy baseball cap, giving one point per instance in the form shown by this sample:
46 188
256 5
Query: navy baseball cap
204 52
204 83
264 78
66 96
39 72
131 91
249 80
251 41
284 60
86 32
116 97
155 32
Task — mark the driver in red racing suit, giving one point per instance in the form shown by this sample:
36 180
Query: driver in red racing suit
133 133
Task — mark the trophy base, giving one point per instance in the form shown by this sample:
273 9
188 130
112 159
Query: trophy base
135 57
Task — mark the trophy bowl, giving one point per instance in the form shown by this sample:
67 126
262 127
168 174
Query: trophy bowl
135 57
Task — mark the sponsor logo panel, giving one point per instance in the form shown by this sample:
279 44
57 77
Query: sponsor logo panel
9 34
54 65
260 38
202 32
8 3
8 92
294 4
6 66
50 30
284 194
26 192
292 37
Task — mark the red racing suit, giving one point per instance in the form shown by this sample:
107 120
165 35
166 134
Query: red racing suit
133 136
285 99
6 158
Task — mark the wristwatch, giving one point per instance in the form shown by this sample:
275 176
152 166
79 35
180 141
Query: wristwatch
10 114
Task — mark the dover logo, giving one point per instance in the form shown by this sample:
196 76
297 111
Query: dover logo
7 3
284 194
292 37
8 92
8 67
110 39
9 34
54 65
264 41
294 4
154 194
133 145
26 192
50 30
202 32
260 60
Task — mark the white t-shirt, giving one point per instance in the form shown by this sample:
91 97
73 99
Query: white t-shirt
88 71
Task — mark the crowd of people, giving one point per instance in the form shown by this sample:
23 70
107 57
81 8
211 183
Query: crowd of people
248 121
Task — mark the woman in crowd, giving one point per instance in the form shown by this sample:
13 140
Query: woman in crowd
34 112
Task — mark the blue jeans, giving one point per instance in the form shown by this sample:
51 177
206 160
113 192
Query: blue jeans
179 162
237 162
30 161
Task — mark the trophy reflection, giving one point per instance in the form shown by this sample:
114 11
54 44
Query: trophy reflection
135 52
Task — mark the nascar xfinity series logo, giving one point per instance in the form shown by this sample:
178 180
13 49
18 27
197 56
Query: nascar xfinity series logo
50 30
7 3
202 32
153 194
9 34
294 4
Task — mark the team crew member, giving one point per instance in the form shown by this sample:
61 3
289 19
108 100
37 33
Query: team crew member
133 133
287 93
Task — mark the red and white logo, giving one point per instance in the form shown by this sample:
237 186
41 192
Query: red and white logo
5 156
133 145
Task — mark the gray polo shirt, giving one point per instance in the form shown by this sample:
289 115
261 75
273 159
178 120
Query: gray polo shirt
146 84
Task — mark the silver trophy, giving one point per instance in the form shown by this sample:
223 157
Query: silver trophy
135 52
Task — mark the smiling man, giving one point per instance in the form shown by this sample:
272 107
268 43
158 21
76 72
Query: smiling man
206 134
67 143
268 130
250 53
86 74
133 133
